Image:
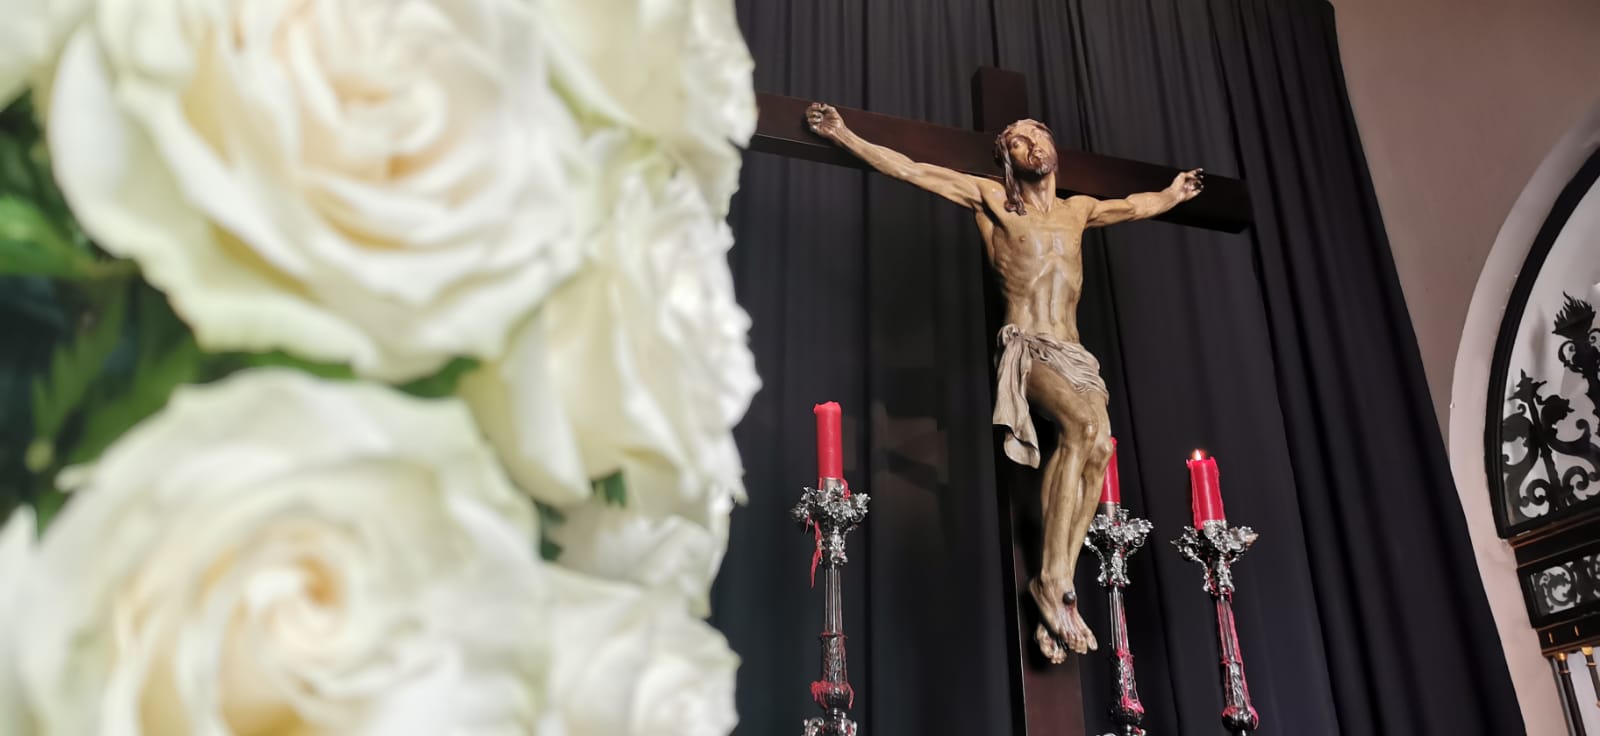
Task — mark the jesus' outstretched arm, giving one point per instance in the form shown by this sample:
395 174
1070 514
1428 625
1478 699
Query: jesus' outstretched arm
1148 204
963 189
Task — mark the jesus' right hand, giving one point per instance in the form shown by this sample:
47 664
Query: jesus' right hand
824 120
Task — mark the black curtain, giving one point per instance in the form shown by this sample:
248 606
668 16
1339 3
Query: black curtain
1286 351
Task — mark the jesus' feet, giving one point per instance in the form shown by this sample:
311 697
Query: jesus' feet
1063 627
1082 641
1049 645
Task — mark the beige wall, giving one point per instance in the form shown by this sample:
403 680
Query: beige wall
1458 102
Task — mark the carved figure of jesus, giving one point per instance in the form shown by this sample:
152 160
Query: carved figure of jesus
1034 240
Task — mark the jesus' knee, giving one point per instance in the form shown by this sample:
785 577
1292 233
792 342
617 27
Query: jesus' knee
1099 441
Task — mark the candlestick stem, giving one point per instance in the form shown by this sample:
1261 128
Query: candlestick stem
1114 537
830 513
1216 547
833 606
1594 676
1569 696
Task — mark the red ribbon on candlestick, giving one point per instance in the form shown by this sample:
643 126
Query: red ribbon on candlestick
1205 486
816 557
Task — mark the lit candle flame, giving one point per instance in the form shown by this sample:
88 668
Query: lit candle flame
1199 455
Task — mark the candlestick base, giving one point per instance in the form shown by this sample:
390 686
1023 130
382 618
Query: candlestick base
1216 547
833 724
1126 730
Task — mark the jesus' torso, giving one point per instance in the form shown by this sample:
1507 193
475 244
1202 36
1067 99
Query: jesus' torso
1039 258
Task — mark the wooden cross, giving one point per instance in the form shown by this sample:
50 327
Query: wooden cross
1047 700
999 97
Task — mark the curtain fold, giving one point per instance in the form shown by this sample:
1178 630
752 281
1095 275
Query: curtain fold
1286 351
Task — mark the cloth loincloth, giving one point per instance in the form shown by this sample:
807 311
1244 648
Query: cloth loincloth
1018 351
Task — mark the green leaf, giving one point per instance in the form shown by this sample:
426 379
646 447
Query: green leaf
46 507
74 367
167 357
21 171
33 304
225 363
548 517
612 490
25 170
35 323
49 197
155 377
444 382
17 118
549 514
157 326
16 166
32 244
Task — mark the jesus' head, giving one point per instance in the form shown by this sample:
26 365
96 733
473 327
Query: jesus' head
1026 151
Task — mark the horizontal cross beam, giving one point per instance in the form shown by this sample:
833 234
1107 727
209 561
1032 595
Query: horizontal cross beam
781 130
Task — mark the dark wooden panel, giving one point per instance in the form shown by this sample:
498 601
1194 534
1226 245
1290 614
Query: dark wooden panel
1568 636
1558 538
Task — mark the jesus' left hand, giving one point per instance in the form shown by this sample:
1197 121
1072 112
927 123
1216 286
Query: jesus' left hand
1188 185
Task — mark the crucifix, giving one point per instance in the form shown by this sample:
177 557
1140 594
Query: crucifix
1032 202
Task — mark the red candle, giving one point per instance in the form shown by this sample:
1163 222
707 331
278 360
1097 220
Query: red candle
1111 489
830 462
1206 487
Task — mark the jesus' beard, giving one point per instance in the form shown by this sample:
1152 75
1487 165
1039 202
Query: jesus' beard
1035 166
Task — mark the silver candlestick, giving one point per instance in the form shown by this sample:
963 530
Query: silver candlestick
1114 537
830 513
1217 546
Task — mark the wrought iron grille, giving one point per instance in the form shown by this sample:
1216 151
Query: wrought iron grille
1550 454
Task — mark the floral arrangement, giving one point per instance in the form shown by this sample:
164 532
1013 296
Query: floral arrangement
371 365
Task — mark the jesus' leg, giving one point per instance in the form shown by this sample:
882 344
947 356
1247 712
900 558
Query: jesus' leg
1094 477
1053 589
1098 448
1081 452
1052 609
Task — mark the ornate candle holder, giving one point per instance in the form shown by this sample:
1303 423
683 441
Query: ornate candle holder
1217 546
830 513
1113 537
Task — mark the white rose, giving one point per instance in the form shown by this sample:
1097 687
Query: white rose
31 36
386 184
683 78
282 554
639 365
629 663
16 554
672 553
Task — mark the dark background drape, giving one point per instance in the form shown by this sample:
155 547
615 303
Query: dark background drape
1286 351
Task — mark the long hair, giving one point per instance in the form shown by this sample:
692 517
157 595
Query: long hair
1002 156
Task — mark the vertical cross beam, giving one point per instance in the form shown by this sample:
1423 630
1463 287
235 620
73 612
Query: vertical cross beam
1047 699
